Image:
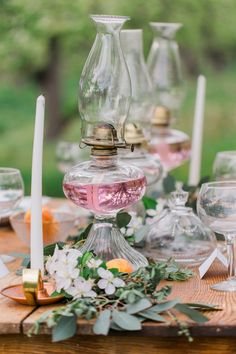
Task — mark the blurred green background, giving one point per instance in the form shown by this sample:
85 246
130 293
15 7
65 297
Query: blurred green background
44 45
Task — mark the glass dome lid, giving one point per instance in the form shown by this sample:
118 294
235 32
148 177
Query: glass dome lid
179 234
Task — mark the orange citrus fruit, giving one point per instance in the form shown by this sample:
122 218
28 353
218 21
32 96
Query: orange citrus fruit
50 224
121 264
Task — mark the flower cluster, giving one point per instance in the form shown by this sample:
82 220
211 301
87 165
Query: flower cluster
80 275
135 223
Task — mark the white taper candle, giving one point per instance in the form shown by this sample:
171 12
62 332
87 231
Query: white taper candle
36 229
197 134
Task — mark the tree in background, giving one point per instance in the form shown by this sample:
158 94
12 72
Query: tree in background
36 35
42 39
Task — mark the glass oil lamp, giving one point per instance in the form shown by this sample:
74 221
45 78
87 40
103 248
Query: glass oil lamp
137 128
164 66
103 185
179 234
170 145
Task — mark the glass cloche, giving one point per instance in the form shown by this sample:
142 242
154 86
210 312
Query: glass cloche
179 234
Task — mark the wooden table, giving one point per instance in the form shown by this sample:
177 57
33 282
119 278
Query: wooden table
217 336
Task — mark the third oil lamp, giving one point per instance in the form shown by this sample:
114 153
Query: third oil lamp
170 145
103 185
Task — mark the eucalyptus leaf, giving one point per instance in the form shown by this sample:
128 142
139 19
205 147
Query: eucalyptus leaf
18 255
149 203
141 233
151 315
169 184
126 321
193 314
44 316
164 306
49 249
122 219
201 306
102 323
115 327
26 262
65 328
138 306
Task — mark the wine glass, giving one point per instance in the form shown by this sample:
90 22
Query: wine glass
11 193
224 167
216 206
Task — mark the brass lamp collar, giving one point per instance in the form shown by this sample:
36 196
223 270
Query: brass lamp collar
104 137
162 116
103 151
134 134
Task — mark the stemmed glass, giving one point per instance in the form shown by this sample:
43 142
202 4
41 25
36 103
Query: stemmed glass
11 193
224 167
216 207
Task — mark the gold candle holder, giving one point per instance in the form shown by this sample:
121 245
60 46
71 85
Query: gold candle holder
33 291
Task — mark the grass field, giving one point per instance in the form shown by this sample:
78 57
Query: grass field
17 108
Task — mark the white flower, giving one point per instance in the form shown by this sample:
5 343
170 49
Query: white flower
62 266
94 263
66 256
69 256
135 223
108 282
64 276
155 213
51 264
82 288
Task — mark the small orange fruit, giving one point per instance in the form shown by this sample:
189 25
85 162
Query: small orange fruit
121 264
50 224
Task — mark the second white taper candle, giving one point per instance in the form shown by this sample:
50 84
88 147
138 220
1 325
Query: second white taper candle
197 135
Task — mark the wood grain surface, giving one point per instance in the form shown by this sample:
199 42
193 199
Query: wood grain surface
216 336
126 344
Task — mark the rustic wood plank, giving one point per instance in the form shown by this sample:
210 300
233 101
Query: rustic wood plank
128 344
14 317
11 313
222 323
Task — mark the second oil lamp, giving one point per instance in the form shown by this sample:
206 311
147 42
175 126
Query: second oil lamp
137 128
103 185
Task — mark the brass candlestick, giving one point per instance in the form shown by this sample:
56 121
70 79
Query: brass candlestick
33 290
